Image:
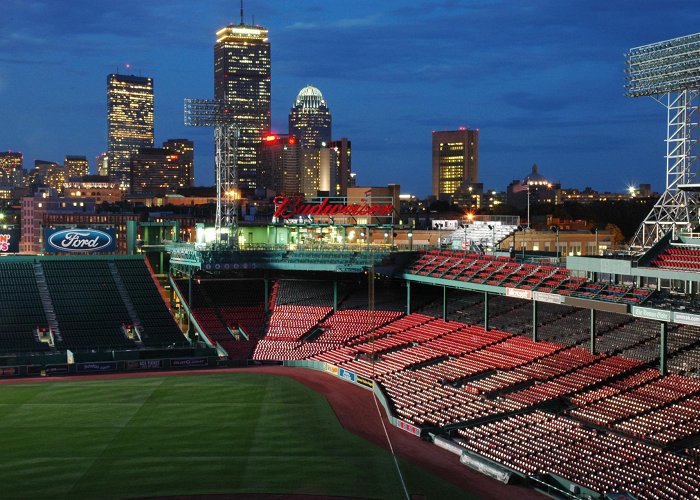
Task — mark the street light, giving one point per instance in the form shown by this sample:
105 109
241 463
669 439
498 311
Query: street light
595 230
410 241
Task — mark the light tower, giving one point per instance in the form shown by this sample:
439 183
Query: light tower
219 114
669 71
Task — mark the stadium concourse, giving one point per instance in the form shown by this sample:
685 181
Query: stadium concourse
576 383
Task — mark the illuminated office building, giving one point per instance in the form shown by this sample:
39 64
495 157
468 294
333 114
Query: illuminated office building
157 170
242 77
185 148
47 173
76 166
310 123
455 161
10 168
341 163
280 164
310 119
129 121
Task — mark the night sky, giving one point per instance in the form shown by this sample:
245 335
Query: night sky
542 80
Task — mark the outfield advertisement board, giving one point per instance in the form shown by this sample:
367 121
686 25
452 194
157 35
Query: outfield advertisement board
410 428
56 369
144 364
189 362
347 375
80 241
9 371
332 369
102 366
364 382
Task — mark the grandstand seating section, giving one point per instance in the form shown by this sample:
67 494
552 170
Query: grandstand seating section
678 258
502 271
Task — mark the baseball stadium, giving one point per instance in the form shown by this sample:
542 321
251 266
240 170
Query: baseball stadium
334 353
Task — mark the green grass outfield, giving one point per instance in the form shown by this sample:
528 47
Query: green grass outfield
194 434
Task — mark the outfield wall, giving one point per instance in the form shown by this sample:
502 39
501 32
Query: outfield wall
365 383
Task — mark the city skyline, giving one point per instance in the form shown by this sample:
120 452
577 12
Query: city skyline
543 83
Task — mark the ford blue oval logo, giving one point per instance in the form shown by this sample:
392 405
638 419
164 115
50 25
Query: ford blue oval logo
80 240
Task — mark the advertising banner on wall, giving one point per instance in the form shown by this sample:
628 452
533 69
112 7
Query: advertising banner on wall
9 240
80 241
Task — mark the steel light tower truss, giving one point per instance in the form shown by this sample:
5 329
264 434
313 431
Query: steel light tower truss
219 114
669 71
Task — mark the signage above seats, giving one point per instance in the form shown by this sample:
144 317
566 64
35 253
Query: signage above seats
288 207
80 240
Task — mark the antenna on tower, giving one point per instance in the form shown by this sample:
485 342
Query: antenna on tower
241 12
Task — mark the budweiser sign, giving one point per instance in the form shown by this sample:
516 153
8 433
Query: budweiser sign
287 207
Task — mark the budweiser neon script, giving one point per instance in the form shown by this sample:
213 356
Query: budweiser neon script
287 207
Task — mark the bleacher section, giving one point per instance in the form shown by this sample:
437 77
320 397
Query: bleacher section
21 309
81 292
504 272
86 299
479 233
678 259
158 326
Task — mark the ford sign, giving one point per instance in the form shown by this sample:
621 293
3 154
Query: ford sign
80 240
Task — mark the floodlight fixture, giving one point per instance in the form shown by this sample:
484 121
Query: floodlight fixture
220 115
662 67
669 71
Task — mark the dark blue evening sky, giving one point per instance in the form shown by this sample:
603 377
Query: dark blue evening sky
542 80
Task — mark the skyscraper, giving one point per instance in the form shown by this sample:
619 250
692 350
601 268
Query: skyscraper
242 77
280 164
185 148
455 160
310 123
310 119
129 121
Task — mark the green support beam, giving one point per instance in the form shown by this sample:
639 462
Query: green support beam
267 294
663 348
444 303
534 321
593 330
335 295
486 311
408 297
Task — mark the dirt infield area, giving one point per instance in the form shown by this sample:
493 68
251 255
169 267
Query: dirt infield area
357 412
